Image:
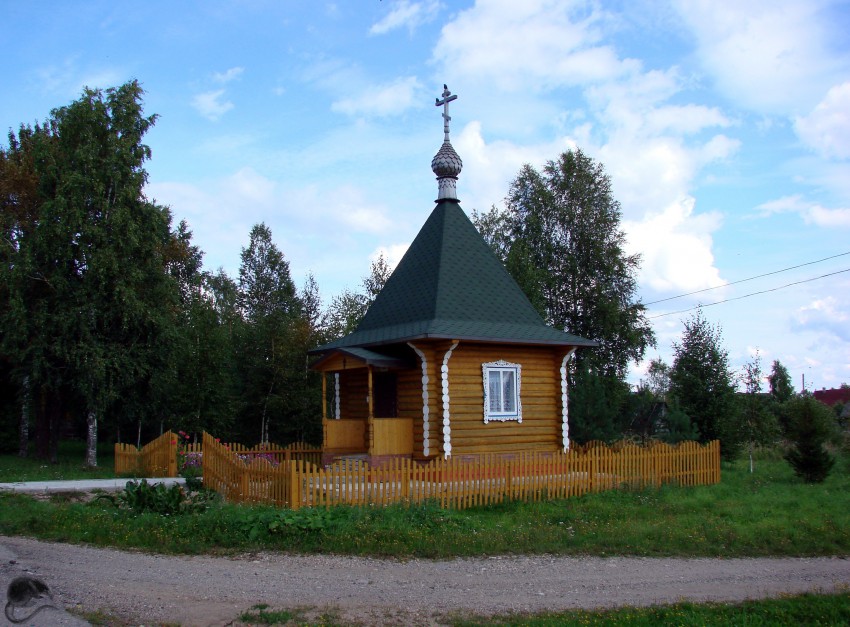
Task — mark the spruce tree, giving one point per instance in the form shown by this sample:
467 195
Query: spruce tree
810 426
701 384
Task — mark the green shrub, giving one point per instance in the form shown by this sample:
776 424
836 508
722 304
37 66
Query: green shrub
810 425
142 497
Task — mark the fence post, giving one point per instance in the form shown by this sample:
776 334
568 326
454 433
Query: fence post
405 478
294 486
244 485
172 456
592 474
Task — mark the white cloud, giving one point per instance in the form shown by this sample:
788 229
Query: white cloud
653 151
534 44
247 196
826 130
391 253
406 14
349 206
767 55
675 248
826 315
68 80
229 75
683 120
212 104
222 211
812 213
489 168
674 242
382 100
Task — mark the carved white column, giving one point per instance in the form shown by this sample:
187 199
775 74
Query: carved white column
336 396
426 438
447 422
565 403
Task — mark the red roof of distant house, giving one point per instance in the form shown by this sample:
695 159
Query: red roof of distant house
833 396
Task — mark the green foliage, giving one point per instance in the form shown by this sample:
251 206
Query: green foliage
676 426
597 407
758 424
802 609
560 238
344 314
197 391
781 389
141 497
129 331
261 615
810 425
701 385
88 313
349 307
279 394
290 522
653 412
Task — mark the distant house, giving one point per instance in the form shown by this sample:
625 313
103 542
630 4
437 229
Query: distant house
451 359
834 396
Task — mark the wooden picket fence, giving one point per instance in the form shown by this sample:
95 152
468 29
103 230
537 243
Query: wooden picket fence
458 483
163 457
273 453
157 458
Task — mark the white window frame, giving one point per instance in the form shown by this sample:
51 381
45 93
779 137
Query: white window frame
502 367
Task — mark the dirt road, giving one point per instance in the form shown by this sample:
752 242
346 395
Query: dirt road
153 589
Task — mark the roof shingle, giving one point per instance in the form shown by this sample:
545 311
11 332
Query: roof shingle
450 285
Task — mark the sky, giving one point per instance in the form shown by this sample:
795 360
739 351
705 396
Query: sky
724 126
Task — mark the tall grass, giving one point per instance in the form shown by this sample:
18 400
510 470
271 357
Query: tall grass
769 512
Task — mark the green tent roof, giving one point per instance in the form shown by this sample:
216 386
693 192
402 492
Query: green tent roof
450 285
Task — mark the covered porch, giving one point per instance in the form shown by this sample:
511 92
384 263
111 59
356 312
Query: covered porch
360 411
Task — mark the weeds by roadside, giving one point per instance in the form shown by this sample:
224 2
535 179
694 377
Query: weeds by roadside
792 610
804 609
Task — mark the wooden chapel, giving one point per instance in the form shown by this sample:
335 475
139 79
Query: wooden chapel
451 359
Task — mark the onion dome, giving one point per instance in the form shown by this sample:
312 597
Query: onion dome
446 164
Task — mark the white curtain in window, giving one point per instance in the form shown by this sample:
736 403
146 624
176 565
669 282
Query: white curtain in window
495 391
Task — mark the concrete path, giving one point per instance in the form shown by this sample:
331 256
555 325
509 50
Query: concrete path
81 485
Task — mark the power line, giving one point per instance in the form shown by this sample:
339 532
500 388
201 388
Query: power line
664 300
720 302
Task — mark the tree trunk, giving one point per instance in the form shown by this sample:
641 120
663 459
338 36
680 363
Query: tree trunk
54 424
91 439
42 426
751 457
24 426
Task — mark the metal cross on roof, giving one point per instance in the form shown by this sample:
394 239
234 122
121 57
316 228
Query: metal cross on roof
447 98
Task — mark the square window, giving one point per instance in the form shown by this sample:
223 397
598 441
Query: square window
501 391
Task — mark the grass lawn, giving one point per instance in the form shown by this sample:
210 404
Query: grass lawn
767 513
69 464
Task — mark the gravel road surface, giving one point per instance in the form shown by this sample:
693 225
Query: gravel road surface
202 590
